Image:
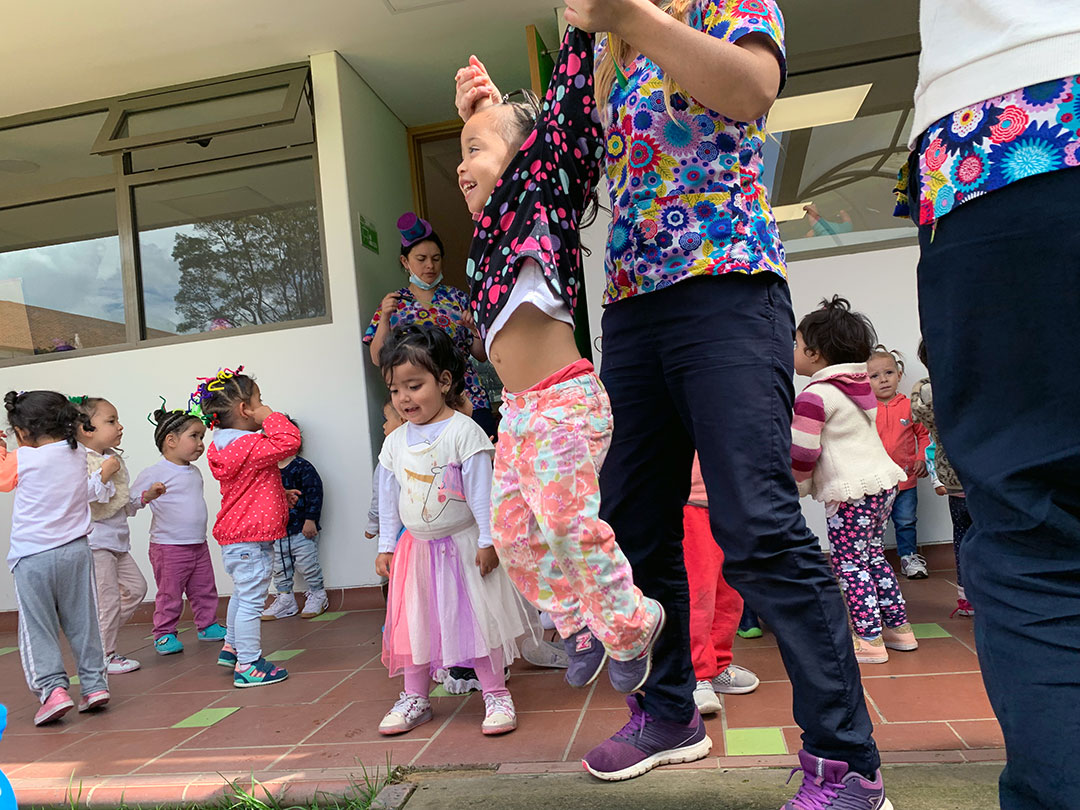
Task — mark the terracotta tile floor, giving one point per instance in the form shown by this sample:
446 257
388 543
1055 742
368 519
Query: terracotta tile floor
178 721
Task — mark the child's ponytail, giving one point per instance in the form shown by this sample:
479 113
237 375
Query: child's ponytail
49 414
838 334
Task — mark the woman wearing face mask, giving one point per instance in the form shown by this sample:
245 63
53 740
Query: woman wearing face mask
427 299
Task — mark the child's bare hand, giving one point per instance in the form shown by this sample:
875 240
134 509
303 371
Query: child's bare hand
292 496
940 490
310 529
156 490
920 469
109 468
260 414
474 90
382 563
486 560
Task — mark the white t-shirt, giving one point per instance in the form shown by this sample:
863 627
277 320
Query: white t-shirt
180 514
531 287
52 506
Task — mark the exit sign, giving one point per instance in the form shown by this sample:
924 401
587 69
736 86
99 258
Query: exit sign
369 237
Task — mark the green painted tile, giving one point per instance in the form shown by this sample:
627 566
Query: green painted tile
329 617
930 630
748 742
6 650
440 691
206 717
283 655
74 680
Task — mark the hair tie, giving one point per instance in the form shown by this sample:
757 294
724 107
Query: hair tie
77 400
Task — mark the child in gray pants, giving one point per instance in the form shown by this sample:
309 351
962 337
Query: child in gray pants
49 557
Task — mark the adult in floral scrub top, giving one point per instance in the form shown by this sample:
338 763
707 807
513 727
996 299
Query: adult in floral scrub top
697 352
428 300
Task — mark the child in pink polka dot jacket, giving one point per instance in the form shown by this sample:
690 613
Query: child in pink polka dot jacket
249 441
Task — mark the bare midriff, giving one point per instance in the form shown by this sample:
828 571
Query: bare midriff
531 347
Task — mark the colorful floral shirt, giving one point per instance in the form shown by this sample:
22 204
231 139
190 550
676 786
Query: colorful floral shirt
987 146
448 305
686 194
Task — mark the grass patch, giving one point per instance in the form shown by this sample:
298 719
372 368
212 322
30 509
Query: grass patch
254 795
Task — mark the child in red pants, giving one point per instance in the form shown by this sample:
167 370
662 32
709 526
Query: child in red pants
715 608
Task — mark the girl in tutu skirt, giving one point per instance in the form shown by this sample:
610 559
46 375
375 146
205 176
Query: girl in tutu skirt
450 604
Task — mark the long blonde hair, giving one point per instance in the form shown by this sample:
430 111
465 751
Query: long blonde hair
619 50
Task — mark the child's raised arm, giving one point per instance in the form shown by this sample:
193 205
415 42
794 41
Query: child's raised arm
280 439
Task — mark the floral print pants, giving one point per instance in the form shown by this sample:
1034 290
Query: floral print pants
858 560
546 516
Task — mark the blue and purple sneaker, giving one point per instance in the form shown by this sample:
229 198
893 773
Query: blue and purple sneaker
645 743
831 785
585 658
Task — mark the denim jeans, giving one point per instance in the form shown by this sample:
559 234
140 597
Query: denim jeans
297 553
249 565
904 516
708 363
999 291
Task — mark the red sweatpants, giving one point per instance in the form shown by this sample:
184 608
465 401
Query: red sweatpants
715 607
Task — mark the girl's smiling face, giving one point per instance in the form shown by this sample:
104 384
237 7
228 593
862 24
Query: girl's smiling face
485 154
417 395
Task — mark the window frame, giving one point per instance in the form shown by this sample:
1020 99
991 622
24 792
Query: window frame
123 182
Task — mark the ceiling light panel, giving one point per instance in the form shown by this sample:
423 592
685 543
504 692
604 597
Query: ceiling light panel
817 109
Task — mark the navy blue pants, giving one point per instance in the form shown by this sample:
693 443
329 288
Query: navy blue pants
999 298
708 363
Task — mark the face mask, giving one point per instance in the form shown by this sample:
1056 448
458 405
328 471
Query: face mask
423 285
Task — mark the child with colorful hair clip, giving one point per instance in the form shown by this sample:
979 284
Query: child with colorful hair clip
121 586
179 554
249 441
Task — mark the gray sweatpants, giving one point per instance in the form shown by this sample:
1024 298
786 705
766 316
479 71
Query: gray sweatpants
55 590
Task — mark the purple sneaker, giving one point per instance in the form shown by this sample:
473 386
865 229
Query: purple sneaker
830 784
586 655
629 676
644 743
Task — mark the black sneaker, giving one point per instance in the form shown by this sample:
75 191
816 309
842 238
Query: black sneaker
748 624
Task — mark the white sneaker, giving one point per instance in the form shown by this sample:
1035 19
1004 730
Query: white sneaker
283 606
119 664
913 566
409 712
545 654
708 702
499 714
315 603
735 680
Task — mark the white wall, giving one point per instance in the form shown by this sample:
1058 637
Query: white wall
321 375
879 283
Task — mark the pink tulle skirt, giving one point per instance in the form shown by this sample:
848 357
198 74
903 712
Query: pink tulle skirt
442 613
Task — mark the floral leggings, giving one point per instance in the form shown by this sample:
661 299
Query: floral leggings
546 516
858 560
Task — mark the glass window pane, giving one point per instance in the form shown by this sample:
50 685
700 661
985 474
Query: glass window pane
60 283
197 113
51 152
234 249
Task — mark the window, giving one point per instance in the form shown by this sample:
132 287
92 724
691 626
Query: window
60 277
160 216
228 250
845 173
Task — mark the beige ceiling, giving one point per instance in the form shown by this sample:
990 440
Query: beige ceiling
69 51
